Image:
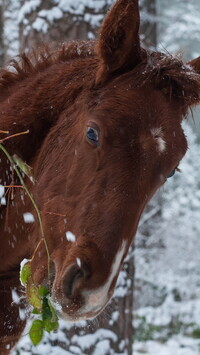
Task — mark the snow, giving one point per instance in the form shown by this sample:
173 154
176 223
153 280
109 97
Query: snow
78 260
27 8
168 267
70 237
78 6
11 28
3 201
177 345
86 341
2 191
55 13
23 262
15 297
28 217
179 26
89 11
40 25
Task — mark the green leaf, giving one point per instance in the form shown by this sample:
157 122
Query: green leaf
49 316
50 326
35 311
34 297
36 331
25 273
53 311
27 170
46 311
43 291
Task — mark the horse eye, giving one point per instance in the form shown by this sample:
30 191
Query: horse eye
92 135
171 174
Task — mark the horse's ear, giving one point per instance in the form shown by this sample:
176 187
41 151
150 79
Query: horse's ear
195 64
175 79
118 45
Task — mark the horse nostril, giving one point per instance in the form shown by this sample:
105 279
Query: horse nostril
73 279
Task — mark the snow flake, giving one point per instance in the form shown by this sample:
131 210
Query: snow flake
78 262
3 201
28 217
70 237
2 190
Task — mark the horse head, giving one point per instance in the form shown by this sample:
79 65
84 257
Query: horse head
111 135
115 149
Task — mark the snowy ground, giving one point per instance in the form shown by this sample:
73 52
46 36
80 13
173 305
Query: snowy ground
174 346
168 269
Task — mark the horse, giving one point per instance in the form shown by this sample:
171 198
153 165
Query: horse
103 132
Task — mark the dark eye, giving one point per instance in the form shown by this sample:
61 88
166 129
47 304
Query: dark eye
92 135
171 174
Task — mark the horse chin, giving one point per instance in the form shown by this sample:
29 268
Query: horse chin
68 313
78 317
75 311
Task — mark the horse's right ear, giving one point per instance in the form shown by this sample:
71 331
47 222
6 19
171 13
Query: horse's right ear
118 45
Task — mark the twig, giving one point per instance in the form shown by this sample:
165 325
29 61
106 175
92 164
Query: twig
149 215
13 135
35 251
12 183
12 186
4 132
54 213
7 209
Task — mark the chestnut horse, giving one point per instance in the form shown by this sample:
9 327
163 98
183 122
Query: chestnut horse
104 121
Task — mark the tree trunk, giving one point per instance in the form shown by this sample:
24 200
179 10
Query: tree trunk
49 23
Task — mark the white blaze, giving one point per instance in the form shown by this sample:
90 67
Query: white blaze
96 299
158 136
161 144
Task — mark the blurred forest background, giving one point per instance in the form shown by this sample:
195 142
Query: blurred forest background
156 308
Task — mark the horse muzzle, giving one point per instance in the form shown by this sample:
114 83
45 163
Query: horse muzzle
74 297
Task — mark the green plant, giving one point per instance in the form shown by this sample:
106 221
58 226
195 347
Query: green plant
43 310
196 333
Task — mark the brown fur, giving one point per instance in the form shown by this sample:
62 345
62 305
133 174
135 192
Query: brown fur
98 193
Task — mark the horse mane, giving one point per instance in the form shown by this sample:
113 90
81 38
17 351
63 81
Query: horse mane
37 61
174 78
166 72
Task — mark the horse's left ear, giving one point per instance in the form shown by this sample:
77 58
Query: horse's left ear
195 64
118 45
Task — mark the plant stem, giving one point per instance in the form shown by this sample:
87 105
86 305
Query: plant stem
32 200
13 135
4 132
